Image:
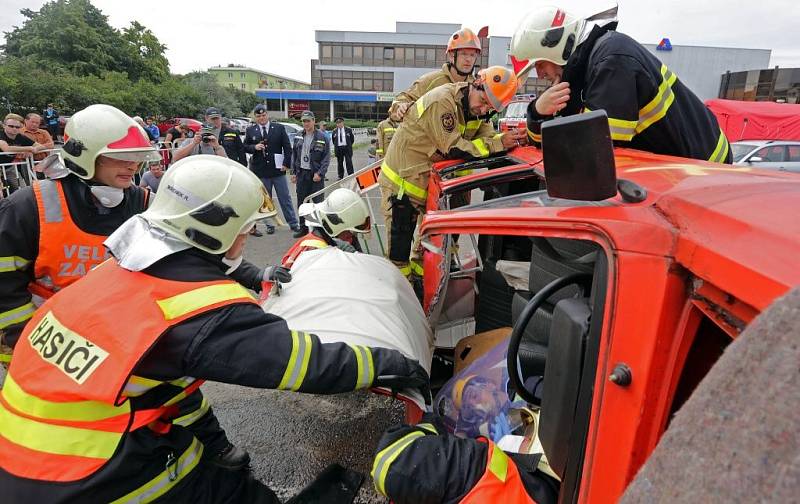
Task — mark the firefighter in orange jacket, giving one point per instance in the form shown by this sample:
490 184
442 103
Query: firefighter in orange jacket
52 235
86 410
423 463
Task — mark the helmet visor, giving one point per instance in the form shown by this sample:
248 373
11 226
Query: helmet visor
142 156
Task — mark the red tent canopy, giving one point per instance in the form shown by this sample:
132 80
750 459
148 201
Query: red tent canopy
749 120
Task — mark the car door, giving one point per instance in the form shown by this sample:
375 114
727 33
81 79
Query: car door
792 162
771 157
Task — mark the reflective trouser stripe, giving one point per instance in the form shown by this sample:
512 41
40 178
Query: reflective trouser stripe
313 243
183 304
17 315
193 416
384 459
403 186
721 152
658 106
57 439
50 201
366 368
420 107
76 411
298 362
536 137
405 270
480 144
498 465
167 479
416 268
12 263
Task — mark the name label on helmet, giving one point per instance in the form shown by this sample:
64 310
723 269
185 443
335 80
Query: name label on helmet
71 353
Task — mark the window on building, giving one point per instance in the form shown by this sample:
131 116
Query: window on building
337 54
419 56
368 85
327 84
430 56
326 51
242 75
230 75
358 55
244 86
230 85
368 55
388 53
409 59
347 83
358 84
337 83
399 56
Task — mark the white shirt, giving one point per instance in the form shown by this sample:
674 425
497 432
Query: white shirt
342 138
263 128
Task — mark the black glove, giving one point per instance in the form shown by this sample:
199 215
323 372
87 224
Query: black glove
415 377
277 274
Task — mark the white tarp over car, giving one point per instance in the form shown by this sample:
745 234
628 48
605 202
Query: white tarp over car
355 298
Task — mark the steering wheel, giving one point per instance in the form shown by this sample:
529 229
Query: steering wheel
583 280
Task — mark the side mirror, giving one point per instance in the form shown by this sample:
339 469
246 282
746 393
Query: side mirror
755 159
579 157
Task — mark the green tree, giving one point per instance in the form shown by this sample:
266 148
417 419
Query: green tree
146 54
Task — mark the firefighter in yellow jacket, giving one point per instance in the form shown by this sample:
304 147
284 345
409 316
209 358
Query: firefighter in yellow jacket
386 130
433 130
463 51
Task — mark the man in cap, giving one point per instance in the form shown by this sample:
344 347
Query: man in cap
271 156
214 138
170 318
311 156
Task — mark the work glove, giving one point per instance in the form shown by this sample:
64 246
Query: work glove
277 274
410 376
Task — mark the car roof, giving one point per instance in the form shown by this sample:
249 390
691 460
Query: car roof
761 143
713 218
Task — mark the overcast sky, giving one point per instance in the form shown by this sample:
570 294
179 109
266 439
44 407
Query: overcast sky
278 37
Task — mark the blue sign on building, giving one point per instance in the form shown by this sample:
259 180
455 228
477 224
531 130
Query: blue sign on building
664 45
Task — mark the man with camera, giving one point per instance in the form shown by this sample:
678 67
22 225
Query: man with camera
271 155
214 139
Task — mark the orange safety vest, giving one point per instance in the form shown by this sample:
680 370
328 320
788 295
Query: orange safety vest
65 408
66 253
500 482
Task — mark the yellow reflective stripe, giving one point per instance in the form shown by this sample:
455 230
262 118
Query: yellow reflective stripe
384 459
365 366
57 439
622 129
498 465
404 186
313 243
536 137
298 362
405 270
416 268
12 263
658 106
182 304
428 427
721 152
5 357
168 478
379 151
420 108
474 124
17 315
81 411
462 173
138 385
182 382
389 130
193 416
480 144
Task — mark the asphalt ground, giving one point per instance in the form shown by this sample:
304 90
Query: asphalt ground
292 437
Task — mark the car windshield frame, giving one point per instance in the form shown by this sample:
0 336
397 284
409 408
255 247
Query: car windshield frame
512 107
740 150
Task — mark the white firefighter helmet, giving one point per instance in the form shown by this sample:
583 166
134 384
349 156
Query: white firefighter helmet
343 210
207 201
548 33
102 130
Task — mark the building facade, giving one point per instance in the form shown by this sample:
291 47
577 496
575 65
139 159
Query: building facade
771 84
250 79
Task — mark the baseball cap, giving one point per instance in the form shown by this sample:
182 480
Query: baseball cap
213 111
307 114
339 119
260 109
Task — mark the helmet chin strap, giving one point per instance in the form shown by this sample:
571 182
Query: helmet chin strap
454 66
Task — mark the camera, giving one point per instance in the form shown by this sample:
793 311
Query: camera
206 133
206 137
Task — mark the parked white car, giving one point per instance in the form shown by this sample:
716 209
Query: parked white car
781 155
